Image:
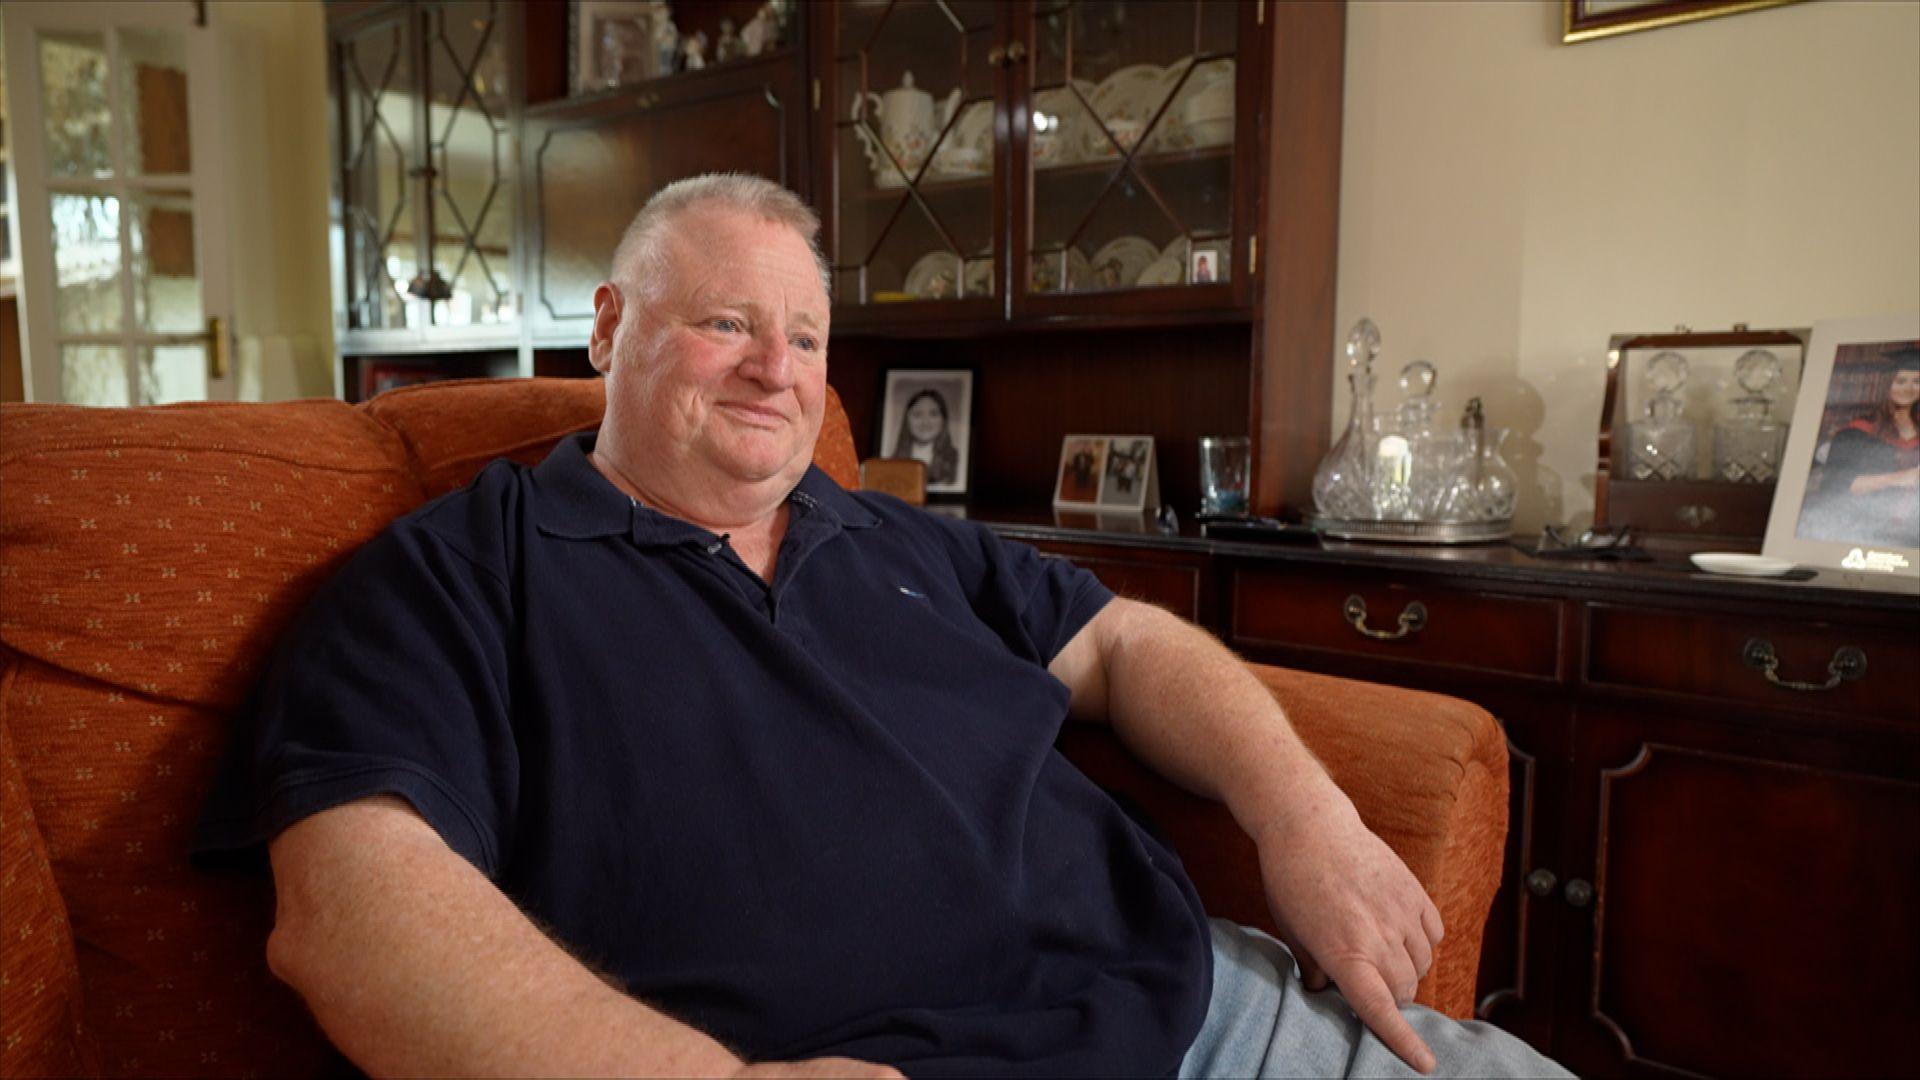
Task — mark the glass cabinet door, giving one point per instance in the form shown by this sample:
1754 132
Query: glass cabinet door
374 75
1130 144
471 161
427 166
915 215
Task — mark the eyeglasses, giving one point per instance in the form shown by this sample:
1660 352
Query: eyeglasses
1554 540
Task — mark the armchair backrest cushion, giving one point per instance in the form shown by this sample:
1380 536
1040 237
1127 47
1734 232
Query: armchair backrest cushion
149 559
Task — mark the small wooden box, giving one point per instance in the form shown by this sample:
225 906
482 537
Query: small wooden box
1729 514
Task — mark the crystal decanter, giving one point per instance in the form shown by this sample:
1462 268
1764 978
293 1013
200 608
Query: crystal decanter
1663 444
1343 484
1747 443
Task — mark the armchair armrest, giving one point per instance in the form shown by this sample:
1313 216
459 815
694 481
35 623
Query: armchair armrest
1428 774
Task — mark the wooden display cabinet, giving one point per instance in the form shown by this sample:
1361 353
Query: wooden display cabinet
1700 850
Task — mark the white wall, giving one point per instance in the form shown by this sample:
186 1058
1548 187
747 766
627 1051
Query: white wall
1508 202
283 315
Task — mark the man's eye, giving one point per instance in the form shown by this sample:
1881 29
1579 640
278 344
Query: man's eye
806 342
728 325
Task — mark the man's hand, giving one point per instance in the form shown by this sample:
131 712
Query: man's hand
1352 912
833 1067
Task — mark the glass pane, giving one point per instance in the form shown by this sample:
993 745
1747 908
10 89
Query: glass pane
1131 144
374 74
93 375
915 110
473 158
86 263
153 89
73 73
170 373
166 279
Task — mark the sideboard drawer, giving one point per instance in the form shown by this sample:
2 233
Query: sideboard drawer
1312 608
1708 655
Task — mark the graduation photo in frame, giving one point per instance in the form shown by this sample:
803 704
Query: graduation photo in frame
1849 492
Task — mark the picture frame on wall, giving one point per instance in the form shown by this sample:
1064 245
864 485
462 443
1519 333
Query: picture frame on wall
1849 492
927 416
1587 20
1107 474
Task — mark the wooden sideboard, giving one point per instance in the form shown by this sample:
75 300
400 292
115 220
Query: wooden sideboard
1708 872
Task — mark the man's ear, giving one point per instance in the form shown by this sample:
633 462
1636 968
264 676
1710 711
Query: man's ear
608 304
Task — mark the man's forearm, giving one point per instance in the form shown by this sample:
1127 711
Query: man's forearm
414 964
1192 711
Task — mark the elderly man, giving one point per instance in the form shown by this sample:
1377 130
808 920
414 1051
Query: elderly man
669 756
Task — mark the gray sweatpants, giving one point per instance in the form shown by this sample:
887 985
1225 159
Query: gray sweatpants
1262 1022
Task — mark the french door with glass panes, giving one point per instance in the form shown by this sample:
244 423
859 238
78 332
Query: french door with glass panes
117 120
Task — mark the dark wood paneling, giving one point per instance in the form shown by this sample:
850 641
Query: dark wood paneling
1690 653
1754 901
593 164
1294 376
1181 582
1032 390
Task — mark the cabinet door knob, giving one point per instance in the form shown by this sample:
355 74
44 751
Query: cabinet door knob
1848 663
996 57
1413 619
1579 892
1016 52
1541 882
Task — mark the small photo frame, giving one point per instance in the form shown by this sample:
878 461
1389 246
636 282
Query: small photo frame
1204 266
1107 474
1849 491
927 416
615 42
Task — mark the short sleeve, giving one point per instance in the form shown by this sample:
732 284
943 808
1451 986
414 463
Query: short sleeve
1035 602
394 681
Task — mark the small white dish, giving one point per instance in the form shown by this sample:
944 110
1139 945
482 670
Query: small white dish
1741 565
935 276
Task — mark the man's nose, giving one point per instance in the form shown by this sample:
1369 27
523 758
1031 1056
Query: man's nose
769 362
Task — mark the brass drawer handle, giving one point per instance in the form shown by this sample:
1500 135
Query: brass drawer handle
1413 619
1848 663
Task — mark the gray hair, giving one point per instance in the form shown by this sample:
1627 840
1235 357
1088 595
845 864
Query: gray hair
641 259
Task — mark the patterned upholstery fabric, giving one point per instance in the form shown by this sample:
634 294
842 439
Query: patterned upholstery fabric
40 1031
149 558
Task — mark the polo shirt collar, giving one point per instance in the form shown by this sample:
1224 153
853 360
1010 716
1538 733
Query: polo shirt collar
574 501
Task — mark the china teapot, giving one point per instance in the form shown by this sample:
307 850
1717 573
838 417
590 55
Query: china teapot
909 124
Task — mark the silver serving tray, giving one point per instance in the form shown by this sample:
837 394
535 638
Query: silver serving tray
1412 532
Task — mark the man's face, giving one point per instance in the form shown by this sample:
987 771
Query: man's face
726 367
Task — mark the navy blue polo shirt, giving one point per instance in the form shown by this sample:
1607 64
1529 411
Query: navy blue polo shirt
820 817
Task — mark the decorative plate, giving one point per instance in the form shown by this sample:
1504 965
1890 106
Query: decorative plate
968 148
935 276
1165 270
1120 263
1202 110
1124 101
1061 145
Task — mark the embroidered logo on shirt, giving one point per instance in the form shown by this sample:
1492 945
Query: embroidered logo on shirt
904 591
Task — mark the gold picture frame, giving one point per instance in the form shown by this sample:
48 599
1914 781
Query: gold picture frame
1588 20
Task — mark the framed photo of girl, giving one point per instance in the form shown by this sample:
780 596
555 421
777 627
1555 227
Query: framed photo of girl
1849 492
926 416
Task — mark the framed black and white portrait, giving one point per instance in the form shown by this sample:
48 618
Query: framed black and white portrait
1849 492
927 417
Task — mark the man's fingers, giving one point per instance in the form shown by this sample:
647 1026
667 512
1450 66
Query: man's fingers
1430 921
1373 1003
1421 952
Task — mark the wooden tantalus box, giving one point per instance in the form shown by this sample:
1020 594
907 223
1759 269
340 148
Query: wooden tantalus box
1727 513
